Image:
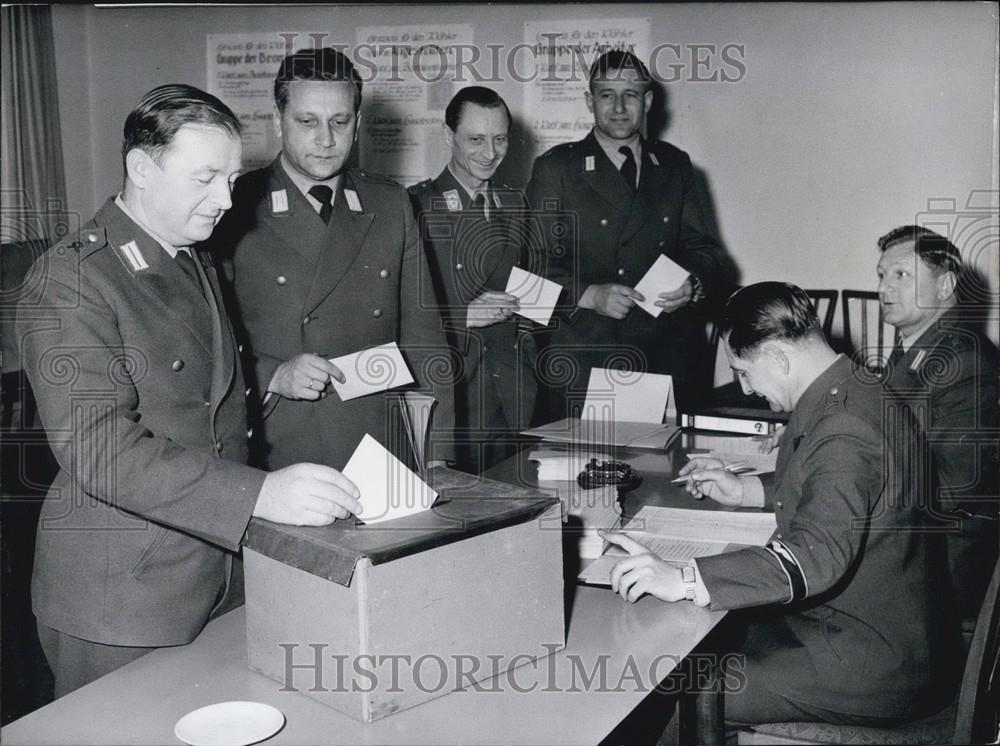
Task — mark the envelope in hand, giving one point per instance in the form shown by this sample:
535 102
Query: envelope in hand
537 295
665 275
370 371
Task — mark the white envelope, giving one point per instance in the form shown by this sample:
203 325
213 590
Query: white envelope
626 396
370 371
388 489
665 275
538 296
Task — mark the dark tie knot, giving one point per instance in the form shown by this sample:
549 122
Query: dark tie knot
322 194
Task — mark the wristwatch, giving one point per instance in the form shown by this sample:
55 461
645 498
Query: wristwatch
688 578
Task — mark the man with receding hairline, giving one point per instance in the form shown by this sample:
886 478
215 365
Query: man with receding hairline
946 368
139 387
473 235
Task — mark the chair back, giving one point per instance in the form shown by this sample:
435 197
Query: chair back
825 303
978 716
869 339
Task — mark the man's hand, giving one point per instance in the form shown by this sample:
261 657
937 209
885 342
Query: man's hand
643 572
675 299
307 495
490 308
769 442
710 479
305 376
610 299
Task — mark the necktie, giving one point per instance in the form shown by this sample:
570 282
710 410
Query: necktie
479 205
628 168
186 263
897 353
324 195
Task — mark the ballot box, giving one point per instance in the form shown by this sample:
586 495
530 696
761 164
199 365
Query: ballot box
374 619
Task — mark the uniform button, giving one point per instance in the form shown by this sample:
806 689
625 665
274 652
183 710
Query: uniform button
604 221
666 218
306 320
247 392
207 403
240 348
779 536
177 366
250 433
377 313
383 274
218 446
459 266
663 243
778 504
92 237
621 272
834 391
281 280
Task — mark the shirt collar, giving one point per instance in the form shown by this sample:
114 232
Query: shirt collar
610 146
304 183
908 341
472 194
171 250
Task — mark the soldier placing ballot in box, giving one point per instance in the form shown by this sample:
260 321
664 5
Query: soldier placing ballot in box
849 624
621 201
323 260
474 234
139 387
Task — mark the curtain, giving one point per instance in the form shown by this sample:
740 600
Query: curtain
33 193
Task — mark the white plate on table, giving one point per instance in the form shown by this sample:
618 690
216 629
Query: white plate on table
229 724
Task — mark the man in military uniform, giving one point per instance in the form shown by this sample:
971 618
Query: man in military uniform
325 261
946 368
139 387
613 202
853 630
473 235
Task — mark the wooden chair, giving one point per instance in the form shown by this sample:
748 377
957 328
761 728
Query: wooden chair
868 338
973 718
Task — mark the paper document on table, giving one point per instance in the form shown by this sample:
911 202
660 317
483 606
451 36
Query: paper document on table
563 466
537 296
633 434
679 535
370 371
665 275
626 396
388 488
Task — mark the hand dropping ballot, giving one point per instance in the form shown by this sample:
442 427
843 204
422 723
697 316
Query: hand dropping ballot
665 275
537 295
388 489
370 371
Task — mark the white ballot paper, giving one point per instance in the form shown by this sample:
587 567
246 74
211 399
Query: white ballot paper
388 489
679 535
370 371
538 296
665 275
622 408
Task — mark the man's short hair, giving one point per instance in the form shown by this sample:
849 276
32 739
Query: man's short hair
934 250
768 311
153 123
473 94
616 62
323 65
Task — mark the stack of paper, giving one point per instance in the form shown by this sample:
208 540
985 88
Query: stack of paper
622 408
679 535
563 466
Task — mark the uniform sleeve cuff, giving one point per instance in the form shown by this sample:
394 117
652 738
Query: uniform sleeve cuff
701 594
753 493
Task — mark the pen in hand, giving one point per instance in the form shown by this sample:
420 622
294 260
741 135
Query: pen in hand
740 467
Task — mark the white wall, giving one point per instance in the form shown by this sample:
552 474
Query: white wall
850 118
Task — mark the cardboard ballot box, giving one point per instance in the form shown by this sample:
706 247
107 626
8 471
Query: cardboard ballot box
375 619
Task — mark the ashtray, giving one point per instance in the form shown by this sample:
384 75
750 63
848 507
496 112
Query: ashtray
604 473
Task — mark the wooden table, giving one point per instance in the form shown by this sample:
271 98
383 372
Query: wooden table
623 650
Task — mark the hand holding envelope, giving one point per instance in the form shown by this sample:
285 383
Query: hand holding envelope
388 489
537 296
662 286
370 371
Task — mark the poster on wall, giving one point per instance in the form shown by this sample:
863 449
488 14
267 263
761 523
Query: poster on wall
410 74
241 72
563 52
